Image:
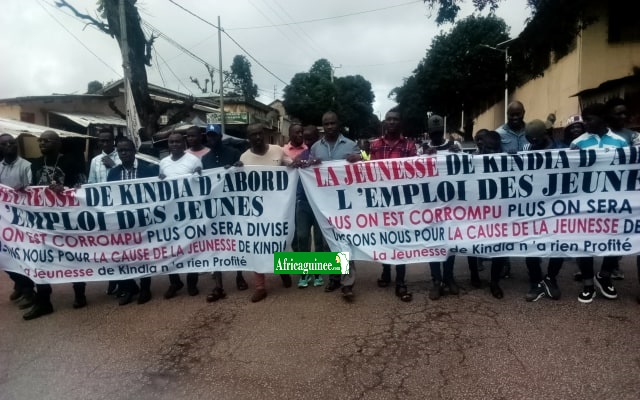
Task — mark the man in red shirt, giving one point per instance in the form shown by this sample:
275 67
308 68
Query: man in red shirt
393 145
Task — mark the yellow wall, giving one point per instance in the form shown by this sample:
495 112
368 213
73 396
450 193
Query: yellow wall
603 61
592 62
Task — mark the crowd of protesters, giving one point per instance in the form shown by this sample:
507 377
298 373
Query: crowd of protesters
598 126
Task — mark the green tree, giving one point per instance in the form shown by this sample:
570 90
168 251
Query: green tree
457 71
94 87
354 98
447 10
241 77
310 94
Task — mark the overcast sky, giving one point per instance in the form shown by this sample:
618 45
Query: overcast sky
383 42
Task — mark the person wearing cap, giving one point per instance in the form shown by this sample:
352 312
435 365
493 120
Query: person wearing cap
437 141
512 134
194 142
597 135
393 144
441 272
572 129
220 155
538 137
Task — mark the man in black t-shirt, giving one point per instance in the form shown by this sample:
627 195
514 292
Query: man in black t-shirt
57 171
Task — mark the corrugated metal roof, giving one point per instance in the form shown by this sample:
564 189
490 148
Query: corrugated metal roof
17 128
91 119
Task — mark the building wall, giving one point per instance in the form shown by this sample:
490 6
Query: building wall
604 61
41 108
547 94
593 61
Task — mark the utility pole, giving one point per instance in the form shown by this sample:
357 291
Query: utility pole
221 78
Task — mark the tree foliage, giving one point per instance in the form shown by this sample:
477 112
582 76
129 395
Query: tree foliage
354 99
94 87
311 94
456 71
241 77
447 10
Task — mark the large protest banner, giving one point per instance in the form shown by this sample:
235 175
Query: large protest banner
223 220
549 203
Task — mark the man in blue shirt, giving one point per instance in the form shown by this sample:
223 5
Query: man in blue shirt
334 146
512 134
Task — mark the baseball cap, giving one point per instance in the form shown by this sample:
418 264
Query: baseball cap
435 123
574 119
214 128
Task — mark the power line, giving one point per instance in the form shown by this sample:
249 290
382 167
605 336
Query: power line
79 41
311 40
326 18
174 74
232 39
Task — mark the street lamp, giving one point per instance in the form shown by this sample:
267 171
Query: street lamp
506 71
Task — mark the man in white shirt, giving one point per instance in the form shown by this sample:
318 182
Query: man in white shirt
179 163
262 153
107 159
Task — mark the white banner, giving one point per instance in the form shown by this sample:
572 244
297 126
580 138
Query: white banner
550 203
223 220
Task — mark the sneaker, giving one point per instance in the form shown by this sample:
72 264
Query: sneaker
303 282
551 288
536 292
318 281
617 274
605 287
587 294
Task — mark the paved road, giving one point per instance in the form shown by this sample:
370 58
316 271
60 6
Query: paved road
308 344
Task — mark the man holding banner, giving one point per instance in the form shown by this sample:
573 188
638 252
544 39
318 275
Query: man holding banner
597 135
334 146
393 145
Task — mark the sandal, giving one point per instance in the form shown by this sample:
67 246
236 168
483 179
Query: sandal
215 295
383 283
403 294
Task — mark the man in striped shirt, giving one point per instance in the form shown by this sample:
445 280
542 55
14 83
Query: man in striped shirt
393 145
597 135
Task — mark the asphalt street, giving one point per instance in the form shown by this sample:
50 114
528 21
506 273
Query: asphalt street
307 344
